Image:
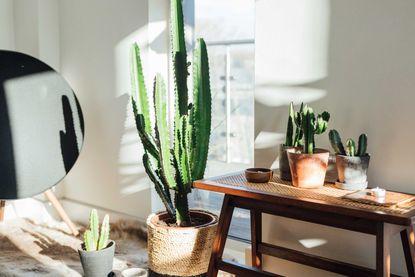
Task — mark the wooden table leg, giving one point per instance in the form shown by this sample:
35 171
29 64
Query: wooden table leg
58 207
256 238
408 245
384 235
2 208
221 234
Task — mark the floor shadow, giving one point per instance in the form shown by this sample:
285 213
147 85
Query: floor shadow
52 248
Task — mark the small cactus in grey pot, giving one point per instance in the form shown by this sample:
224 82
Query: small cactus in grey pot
97 251
352 163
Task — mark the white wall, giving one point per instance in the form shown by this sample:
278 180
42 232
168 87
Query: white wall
368 88
95 39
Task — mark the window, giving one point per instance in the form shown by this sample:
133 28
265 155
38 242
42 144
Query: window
228 29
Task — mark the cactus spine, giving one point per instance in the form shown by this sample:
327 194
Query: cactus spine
93 239
294 118
174 158
312 126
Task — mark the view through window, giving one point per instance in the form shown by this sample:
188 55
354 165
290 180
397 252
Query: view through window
228 29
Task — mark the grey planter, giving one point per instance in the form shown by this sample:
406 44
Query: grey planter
284 166
97 263
352 172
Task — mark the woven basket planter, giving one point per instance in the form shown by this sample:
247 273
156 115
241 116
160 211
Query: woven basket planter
180 251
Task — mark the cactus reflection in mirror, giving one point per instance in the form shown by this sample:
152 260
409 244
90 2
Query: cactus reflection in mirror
173 165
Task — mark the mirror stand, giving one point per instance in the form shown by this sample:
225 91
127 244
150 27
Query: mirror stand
56 204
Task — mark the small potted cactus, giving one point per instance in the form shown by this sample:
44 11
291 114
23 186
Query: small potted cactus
292 141
309 165
97 251
352 162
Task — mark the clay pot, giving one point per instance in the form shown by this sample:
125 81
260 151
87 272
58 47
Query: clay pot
97 263
180 251
308 170
352 172
284 166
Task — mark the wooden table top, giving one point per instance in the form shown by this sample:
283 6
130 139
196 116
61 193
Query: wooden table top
327 199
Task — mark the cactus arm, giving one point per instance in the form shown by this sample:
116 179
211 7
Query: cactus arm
201 111
164 196
105 233
138 88
290 126
350 148
180 65
94 225
162 130
89 242
336 142
308 130
298 131
146 139
361 150
322 123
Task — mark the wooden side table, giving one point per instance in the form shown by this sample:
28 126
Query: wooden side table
322 206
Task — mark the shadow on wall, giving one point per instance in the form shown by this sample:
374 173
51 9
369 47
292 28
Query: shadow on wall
288 67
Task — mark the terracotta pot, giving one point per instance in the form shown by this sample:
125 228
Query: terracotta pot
308 170
284 166
352 171
258 175
97 263
180 251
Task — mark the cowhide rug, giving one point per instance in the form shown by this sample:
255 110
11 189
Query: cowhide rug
48 250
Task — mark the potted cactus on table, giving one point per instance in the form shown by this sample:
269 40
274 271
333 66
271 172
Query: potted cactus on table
352 162
292 141
179 239
309 165
97 250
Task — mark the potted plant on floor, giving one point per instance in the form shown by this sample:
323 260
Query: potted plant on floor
97 251
179 240
352 162
292 141
308 167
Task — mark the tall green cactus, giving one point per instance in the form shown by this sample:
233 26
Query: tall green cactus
312 126
294 118
174 157
350 149
93 239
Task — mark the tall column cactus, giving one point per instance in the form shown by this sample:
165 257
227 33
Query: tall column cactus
173 160
312 126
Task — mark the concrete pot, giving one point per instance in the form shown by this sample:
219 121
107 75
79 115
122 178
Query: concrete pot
284 166
180 251
97 263
352 172
308 170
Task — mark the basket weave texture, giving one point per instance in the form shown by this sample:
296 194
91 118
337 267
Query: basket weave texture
180 251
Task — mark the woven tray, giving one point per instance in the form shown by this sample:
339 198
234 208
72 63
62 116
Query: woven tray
328 193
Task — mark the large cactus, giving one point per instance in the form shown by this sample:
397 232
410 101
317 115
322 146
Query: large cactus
312 126
350 149
174 157
93 239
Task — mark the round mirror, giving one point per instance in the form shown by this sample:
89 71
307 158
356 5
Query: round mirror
41 126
